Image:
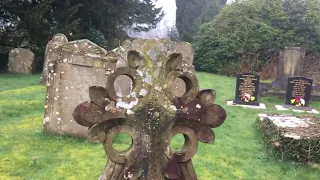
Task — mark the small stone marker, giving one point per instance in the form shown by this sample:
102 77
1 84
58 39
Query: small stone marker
247 91
21 61
298 95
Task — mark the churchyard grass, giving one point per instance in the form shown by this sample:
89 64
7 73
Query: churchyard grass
27 153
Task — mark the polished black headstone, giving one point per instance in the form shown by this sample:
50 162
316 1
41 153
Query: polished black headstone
247 83
298 88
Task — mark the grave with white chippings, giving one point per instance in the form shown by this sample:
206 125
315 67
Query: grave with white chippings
293 138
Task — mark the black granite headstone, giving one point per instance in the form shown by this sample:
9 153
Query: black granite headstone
247 89
298 91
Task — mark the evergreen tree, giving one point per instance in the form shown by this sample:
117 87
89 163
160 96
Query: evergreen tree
191 14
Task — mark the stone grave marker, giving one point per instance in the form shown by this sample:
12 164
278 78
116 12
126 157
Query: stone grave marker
247 91
152 114
72 68
298 94
291 61
21 61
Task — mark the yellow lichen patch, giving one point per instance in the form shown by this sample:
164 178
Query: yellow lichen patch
21 102
7 177
30 123
26 90
239 174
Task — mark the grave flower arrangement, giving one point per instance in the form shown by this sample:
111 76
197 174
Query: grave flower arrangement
246 97
298 101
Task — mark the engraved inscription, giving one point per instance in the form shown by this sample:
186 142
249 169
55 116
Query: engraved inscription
247 85
299 87
298 91
247 89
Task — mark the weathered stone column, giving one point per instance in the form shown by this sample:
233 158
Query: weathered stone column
151 114
52 53
291 61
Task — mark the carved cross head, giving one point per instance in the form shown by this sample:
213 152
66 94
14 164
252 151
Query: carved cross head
151 114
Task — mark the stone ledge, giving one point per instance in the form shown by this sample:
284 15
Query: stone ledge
281 108
261 105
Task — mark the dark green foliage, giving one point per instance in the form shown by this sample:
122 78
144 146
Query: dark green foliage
255 31
173 34
97 37
191 14
36 22
33 23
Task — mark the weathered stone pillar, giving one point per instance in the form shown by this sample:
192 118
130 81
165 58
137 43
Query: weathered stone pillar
291 61
52 53
151 114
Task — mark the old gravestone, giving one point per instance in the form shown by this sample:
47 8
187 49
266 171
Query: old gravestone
72 68
291 62
247 89
298 92
21 61
75 66
152 114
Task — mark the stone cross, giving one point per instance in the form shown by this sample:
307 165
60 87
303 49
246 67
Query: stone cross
151 114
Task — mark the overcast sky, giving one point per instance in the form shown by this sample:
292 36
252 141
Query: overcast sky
169 7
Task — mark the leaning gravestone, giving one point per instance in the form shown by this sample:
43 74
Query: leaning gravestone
72 69
75 66
151 114
21 61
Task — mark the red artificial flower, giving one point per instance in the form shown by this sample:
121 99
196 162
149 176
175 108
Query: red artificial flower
297 99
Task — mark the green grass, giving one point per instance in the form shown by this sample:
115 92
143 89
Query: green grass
27 153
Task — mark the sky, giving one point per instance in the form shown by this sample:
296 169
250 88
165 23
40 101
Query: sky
169 8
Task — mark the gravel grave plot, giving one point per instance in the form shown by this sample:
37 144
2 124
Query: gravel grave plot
293 138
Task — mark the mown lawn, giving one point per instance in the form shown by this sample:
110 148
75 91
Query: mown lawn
27 153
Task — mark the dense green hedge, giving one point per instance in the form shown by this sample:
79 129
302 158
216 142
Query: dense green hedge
254 31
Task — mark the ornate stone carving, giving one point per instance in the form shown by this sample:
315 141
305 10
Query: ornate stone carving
151 114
